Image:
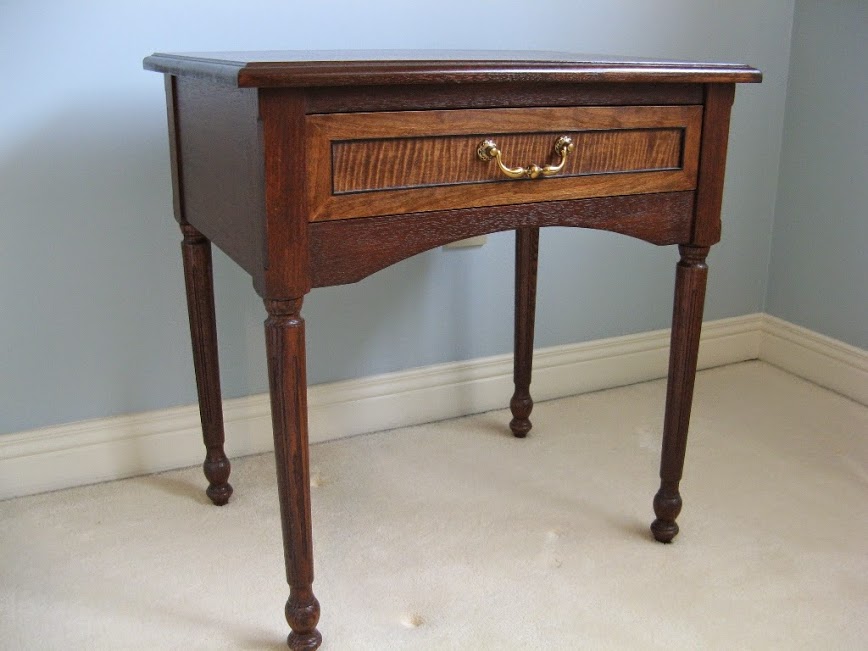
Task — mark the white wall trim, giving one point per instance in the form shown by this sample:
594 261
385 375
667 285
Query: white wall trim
86 452
815 357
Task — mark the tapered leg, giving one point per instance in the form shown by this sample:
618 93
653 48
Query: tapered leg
526 253
284 339
690 279
196 252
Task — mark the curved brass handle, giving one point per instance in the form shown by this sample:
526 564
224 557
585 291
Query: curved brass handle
489 150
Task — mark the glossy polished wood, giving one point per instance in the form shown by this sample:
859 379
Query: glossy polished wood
690 280
526 256
227 185
382 164
709 193
307 69
318 169
366 164
198 277
285 348
345 251
409 97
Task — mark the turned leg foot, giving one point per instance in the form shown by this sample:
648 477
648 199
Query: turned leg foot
198 277
520 406
667 506
526 254
217 468
302 642
690 280
302 615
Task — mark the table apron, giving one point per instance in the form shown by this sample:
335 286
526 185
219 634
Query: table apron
345 251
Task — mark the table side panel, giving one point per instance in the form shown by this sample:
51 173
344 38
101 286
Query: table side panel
221 165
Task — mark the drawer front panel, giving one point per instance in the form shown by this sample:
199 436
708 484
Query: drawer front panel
367 164
360 166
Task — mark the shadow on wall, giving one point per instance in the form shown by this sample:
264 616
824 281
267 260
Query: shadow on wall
85 268
92 286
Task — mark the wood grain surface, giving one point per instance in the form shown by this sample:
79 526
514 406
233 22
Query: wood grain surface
285 349
513 95
426 160
526 263
691 276
299 68
283 127
715 137
220 179
199 283
451 160
345 251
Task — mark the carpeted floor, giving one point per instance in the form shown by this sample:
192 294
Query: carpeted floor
455 535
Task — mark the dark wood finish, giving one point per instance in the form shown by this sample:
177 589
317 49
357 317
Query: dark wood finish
394 163
690 279
284 342
198 277
345 251
715 135
653 149
217 136
317 169
173 115
199 285
306 69
515 95
283 125
526 255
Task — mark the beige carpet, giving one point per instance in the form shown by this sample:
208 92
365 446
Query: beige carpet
455 535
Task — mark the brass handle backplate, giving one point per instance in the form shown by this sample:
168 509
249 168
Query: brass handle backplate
489 150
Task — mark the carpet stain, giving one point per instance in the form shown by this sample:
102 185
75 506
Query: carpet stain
413 620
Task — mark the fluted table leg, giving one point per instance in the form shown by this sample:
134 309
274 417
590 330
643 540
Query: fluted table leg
526 254
198 278
284 338
690 279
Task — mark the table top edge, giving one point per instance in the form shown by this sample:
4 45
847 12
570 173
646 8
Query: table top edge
378 67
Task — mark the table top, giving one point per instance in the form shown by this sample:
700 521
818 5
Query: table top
297 68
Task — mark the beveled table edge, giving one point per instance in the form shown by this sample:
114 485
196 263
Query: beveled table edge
385 67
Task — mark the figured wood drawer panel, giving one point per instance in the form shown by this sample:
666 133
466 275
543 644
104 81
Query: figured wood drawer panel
366 164
369 165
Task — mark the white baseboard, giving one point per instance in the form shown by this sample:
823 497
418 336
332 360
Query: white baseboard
815 357
113 448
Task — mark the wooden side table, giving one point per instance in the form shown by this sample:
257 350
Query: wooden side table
312 169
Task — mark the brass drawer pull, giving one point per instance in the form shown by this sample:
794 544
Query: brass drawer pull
488 149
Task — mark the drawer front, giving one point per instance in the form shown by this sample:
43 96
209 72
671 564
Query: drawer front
366 164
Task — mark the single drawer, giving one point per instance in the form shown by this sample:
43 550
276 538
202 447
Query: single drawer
366 164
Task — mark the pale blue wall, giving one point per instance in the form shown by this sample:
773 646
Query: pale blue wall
92 316
819 269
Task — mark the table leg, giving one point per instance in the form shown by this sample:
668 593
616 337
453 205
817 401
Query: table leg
198 278
284 340
690 279
526 253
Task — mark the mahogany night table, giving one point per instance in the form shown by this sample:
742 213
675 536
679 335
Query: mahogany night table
311 169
